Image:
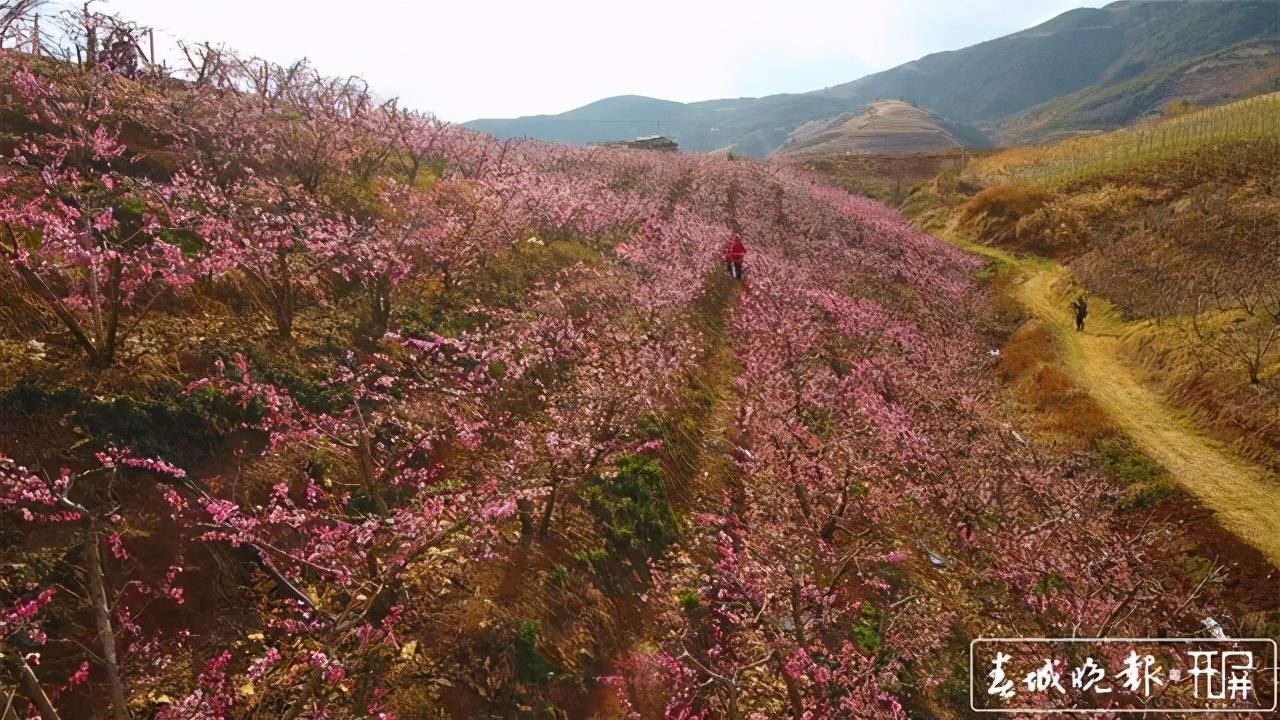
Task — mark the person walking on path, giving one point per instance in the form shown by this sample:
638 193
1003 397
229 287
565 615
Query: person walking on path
1081 308
734 255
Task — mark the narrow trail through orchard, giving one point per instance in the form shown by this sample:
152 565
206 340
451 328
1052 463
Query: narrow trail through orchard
1245 498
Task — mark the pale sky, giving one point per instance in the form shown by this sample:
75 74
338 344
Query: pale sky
501 58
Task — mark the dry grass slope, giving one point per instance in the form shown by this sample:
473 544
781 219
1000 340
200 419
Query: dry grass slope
1185 244
1245 498
889 127
1083 158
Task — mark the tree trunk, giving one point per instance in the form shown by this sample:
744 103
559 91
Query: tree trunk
795 611
373 673
102 617
524 511
545 526
828 531
364 454
113 314
91 45
802 496
380 300
38 286
731 701
31 685
285 304
793 693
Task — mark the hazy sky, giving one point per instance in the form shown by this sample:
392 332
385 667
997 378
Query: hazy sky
475 58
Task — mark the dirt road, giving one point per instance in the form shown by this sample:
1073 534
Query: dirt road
1245 498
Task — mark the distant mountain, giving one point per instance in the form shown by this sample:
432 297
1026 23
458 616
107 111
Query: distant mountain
1087 69
751 126
1244 70
888 127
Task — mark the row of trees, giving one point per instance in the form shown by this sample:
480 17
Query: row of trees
872 475
333 538
1182 132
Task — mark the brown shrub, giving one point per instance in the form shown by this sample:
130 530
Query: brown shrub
1052 386
1004 202
993 214
1063 412
1029 347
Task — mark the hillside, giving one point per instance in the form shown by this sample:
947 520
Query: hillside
315 407
1174 223
887 178
1086 69
889 127
1084 48
1240 71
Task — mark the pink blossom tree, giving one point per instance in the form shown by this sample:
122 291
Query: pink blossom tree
95 244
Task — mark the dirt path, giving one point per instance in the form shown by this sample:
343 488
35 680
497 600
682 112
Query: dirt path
1245 498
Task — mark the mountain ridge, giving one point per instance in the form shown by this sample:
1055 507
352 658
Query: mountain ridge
989 85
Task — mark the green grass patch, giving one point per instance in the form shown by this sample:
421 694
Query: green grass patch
503 281
866 631
183 429
1145 481
558 576
631 509
531 666
1198 568
690 602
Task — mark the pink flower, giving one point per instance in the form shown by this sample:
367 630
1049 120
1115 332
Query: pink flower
117 546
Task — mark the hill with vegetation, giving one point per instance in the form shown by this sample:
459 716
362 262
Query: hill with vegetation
887 178
888 127
1241 71
312 406
1085 70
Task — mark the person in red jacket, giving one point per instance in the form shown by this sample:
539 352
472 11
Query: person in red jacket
734 253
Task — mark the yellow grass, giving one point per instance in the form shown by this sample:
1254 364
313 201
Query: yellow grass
1080 158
